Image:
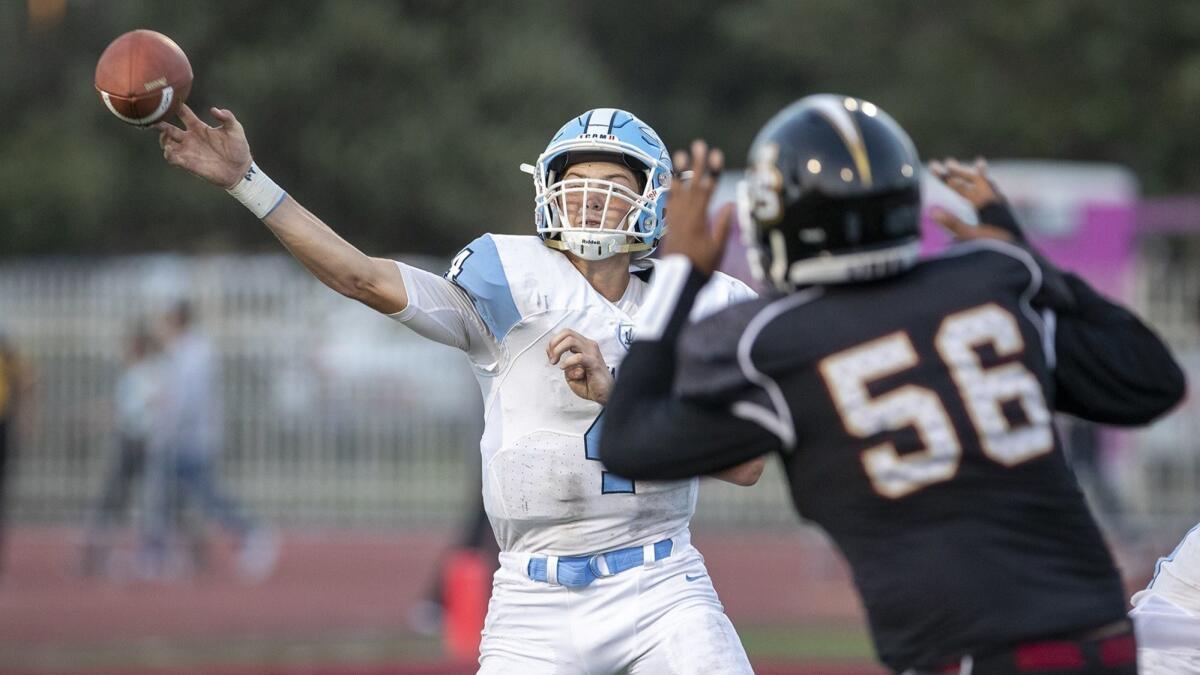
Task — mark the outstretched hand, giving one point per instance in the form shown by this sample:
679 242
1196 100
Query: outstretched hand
970 182
219 154
687 208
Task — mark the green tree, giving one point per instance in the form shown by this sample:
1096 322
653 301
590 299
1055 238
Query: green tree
402 123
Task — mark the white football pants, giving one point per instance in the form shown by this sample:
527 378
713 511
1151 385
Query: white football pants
663 619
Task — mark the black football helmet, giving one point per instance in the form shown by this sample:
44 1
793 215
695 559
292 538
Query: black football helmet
832 194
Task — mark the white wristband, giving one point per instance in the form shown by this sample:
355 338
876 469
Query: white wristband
257 192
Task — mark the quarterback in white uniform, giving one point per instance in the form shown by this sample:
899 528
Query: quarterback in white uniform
597 572
1166 614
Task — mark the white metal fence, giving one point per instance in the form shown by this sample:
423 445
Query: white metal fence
1160 473
336 415
333 413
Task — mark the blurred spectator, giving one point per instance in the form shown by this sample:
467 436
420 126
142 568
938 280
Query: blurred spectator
185 465
426 617
15 383
138 399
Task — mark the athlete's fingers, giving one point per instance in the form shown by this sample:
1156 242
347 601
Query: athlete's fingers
954 173
680 159
577 360
165 139
569 340
169 132
189 119
959 184
952 224
981 167
700 160
564 334
954 169
716 161
171 153
569 344
226 118
985 231
555 340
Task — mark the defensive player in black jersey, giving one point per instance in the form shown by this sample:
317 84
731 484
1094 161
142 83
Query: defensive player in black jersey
911 401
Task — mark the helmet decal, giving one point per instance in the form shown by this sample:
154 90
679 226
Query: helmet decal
765 181
831 195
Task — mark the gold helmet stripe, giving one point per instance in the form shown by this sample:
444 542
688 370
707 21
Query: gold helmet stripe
836 110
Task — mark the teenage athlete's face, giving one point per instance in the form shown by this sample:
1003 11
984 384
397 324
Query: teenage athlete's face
586 207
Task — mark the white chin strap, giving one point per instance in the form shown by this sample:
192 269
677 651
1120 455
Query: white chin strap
595 245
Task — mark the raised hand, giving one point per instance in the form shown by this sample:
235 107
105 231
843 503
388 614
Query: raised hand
973 184
219 154
582 364
970 182
687 209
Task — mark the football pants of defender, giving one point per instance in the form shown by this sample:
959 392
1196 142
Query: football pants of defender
664 619
1111 650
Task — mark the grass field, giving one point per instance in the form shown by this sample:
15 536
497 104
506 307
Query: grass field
777 649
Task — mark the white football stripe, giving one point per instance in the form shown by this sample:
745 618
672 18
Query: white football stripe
600 120
168 93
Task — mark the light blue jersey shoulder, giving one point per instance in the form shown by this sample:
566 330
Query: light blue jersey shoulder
494 270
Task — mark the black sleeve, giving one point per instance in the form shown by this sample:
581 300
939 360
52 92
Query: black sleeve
999 214
1054 292
1111 368
653 433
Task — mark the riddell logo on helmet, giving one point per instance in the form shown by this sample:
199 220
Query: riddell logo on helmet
598 137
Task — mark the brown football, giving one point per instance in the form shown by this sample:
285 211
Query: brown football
143 77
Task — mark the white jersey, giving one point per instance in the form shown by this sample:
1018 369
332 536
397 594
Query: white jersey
1166 614
1177 576
545 492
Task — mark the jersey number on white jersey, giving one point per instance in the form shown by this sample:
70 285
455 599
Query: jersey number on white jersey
609 482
